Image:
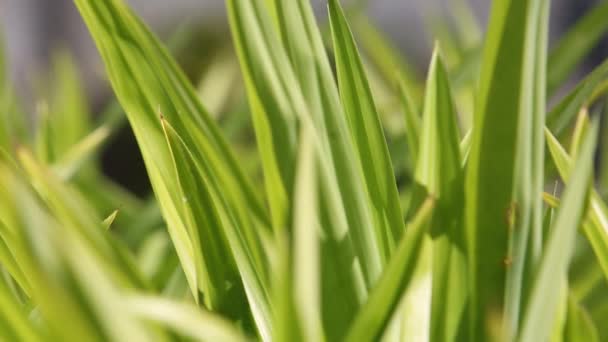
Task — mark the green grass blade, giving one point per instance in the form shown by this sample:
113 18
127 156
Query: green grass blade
439 172
580 131
595 227
374 316
147 80
559 320
48 297
75 269
218 231
579 326
562 115
439 167
341 172
70 119
297 306
9 261
107 222
143 88
266 72
297 75
504 100
212 258
63 115
68 207
449 291
348 208
465 146
367 132
318 249
306 249
526 213
575 45
76 156
15 316
542 305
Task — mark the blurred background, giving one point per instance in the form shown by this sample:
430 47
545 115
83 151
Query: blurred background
34 29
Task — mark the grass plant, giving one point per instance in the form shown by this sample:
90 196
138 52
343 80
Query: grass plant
390 208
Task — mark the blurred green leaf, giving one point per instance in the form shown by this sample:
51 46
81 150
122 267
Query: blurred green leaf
562 114
391 63
69 116
17 325
74 268
573 46
581 128
579 326
185 319
73 159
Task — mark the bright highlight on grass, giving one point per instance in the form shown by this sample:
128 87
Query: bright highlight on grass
391 208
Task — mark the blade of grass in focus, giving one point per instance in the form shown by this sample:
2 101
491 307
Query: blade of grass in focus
504 104
367 132
525 216
555 258
439 173
143 89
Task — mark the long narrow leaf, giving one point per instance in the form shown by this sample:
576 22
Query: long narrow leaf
367 131
541 308
596 225
560 117
375 315
439 171
147 80
525 215
503 101
298 86
187 320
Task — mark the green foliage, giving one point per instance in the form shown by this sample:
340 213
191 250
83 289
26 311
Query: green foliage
362 207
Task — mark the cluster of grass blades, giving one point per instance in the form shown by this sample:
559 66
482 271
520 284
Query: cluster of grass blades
391 208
